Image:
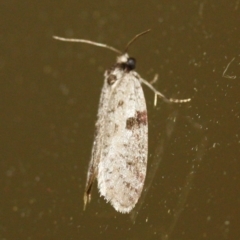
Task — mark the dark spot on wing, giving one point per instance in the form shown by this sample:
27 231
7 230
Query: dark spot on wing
111 79
120 103
131 122
142 117
116 128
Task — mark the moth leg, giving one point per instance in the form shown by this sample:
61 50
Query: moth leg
159 94
155 79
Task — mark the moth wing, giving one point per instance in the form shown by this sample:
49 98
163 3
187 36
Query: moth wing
123 164
97 144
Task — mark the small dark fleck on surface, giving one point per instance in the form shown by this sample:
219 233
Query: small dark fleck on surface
130 123
120 103
142 117
111 79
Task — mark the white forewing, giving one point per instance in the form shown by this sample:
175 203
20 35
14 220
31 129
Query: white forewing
123 145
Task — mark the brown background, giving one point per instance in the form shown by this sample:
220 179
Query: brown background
49 99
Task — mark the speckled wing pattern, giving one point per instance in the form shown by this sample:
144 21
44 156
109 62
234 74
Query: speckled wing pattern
119 154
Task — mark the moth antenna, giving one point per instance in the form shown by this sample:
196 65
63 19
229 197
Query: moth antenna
137 36
87 42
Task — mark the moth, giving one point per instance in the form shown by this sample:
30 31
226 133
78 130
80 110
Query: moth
120 147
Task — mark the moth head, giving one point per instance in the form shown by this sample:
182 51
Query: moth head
126 62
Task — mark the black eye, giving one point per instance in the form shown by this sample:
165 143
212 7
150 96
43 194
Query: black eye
131 64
